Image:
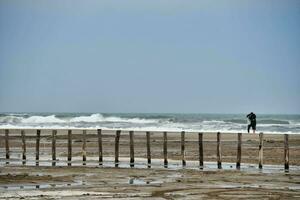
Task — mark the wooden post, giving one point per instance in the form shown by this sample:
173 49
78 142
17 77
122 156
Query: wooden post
7 146
131 148
84 147
219 153
200 140
23 147
165 150
286 152
117 140
183 148
54 132
239 151
69 147
37 147
99 131
148 149
260 151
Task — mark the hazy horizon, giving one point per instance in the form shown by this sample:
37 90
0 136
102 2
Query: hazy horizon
156 56
177 113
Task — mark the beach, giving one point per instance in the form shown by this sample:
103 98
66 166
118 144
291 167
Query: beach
157 182
127 183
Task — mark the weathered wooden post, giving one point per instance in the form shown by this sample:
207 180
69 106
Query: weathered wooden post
200 140
148 149
239 151
131 134
183 148
54 132
84 147
165 151
117 140
69 147
219 153
7 146
260 151
99 131
286 152
23 147
37 147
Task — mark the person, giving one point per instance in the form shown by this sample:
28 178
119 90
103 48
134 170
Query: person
251 122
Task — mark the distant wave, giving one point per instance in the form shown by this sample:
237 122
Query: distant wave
155 122
273 121
42 119
100 118
89 119
261 121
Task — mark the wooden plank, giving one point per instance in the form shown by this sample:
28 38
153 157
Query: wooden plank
148 149
54 133
23 147
219 152
260 151
37 147
84 147
239 151
200 140
165 150
286 151
69 147
183 148
7 155
99 131
117 140
131 135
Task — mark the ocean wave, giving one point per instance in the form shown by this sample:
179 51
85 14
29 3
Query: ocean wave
93 118
261 121
272 121
237 121
10 119
100 118
167 122
42 119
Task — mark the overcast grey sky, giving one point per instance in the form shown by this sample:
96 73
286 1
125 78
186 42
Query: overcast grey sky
150 56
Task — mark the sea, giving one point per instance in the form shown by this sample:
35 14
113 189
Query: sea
152 122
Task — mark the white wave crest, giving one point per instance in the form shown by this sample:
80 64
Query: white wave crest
91 118
94 118
42 119
100 118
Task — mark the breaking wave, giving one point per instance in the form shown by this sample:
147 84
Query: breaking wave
167 122
93 118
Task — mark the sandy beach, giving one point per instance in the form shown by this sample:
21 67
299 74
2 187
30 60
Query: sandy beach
124 183
174 182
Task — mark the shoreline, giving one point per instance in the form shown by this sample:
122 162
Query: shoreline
126 130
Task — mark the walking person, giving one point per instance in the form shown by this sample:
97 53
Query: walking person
251 122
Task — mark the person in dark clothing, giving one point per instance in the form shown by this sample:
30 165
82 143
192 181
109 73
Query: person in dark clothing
252 122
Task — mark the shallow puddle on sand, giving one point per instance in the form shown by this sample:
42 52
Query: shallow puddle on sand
137 181
41 186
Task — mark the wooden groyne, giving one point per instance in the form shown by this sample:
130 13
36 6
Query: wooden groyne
24 135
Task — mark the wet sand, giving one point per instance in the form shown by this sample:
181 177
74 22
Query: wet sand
175 182
127 183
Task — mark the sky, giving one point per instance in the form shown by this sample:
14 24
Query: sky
171 56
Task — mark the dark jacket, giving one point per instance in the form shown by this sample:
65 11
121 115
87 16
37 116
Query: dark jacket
252 117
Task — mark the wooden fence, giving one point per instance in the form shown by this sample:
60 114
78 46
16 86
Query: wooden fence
99 136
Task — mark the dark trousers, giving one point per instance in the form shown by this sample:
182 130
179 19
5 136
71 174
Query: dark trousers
253 125
249 126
